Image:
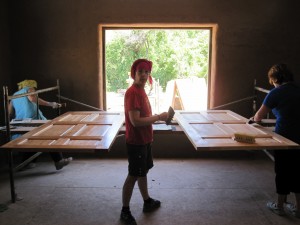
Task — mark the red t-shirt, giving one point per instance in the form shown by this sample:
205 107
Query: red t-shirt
137 99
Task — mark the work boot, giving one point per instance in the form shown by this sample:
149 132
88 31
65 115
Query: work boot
60 164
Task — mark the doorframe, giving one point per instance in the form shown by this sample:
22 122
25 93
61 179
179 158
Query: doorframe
212 52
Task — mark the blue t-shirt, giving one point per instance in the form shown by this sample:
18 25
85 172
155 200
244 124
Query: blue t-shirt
24 108
285 104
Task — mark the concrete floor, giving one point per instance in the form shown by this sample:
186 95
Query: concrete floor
208 191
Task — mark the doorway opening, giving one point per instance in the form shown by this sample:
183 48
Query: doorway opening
182 65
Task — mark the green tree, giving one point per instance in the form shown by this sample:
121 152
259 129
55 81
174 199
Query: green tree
175 54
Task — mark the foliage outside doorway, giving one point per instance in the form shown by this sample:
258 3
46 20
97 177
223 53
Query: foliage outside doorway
181 54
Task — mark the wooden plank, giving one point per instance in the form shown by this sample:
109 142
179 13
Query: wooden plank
28 122
66 137
224 116
80 122
211 116
214 130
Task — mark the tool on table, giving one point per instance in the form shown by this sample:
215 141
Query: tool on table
243 137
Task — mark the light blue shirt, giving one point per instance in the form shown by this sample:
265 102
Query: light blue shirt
24 108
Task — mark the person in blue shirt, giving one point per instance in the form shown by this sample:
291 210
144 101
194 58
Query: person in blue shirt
26 108
284 101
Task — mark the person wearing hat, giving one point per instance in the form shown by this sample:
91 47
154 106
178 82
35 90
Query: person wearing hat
139 137
26 108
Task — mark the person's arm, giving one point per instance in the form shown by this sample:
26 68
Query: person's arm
261 113
137 120
43 102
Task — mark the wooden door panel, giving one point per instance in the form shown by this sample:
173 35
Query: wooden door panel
82 131
53 130
194 117
93 118
75 130
208 130
103 119
210 116
72 117
247 129
61 143
222 116
216 128
93 130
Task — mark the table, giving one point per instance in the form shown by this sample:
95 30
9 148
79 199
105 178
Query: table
92 131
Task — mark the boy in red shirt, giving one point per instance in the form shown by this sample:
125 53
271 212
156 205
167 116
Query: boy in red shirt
139 137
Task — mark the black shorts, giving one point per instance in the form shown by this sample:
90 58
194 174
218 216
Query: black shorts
140 159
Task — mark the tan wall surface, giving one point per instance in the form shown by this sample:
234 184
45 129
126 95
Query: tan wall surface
59 39
5 54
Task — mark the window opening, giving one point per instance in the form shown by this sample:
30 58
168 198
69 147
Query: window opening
181 66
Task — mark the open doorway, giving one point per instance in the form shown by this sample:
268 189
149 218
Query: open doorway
181 65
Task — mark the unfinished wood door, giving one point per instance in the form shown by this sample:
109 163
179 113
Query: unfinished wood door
81 131
214 130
